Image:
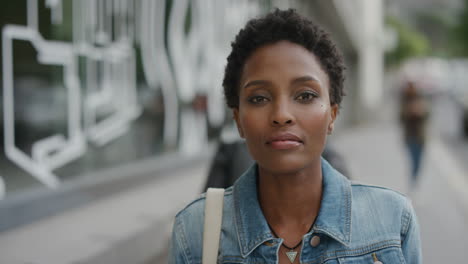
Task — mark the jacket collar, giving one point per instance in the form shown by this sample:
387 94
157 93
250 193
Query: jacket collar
334 219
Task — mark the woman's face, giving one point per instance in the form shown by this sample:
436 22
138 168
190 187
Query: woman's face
284 110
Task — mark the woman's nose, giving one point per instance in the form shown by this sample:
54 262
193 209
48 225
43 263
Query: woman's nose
281 116
289 121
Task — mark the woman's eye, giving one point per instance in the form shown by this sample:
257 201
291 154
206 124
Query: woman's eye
257 99
306 97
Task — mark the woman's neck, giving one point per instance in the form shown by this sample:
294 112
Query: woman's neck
290 202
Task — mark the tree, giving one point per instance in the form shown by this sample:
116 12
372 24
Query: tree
411 43
460 32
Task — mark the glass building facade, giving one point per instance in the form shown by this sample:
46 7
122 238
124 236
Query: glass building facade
89 87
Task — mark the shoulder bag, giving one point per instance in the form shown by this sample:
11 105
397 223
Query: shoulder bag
212 226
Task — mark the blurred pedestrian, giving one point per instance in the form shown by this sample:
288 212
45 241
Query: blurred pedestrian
414 113
284 83
230 160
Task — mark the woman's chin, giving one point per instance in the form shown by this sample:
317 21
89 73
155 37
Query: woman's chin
284 166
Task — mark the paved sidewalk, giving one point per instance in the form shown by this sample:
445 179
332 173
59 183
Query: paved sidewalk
374 154
129 227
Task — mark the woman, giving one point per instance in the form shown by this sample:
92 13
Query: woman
284 83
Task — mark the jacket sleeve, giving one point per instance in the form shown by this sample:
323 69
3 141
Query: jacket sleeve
411 241
178 252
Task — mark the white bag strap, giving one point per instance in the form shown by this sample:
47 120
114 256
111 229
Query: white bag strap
212 228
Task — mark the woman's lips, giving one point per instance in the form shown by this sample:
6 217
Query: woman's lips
284 144
284 141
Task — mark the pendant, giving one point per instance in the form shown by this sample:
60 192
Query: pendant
291 255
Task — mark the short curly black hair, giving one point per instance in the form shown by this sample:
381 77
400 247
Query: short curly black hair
276 26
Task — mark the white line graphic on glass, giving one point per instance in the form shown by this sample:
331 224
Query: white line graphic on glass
156 65
110 103
55 150
2 188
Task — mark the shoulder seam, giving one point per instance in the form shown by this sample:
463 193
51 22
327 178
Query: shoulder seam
202 196
228 191
357 184
190 204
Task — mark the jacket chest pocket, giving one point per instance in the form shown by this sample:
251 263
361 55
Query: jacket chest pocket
391 255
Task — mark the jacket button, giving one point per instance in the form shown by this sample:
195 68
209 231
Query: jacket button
268 243
315 241
376 260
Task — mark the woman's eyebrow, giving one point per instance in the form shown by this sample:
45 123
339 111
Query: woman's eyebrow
256 82
301 79
305 78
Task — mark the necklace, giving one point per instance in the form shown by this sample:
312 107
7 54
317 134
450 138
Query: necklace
291 254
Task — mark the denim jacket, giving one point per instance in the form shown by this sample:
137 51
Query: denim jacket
356 223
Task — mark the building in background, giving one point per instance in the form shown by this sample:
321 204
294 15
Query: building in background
93 91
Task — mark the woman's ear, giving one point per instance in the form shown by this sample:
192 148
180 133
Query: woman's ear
235 113
333 114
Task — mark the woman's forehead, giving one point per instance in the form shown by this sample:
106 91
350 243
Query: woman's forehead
282 59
